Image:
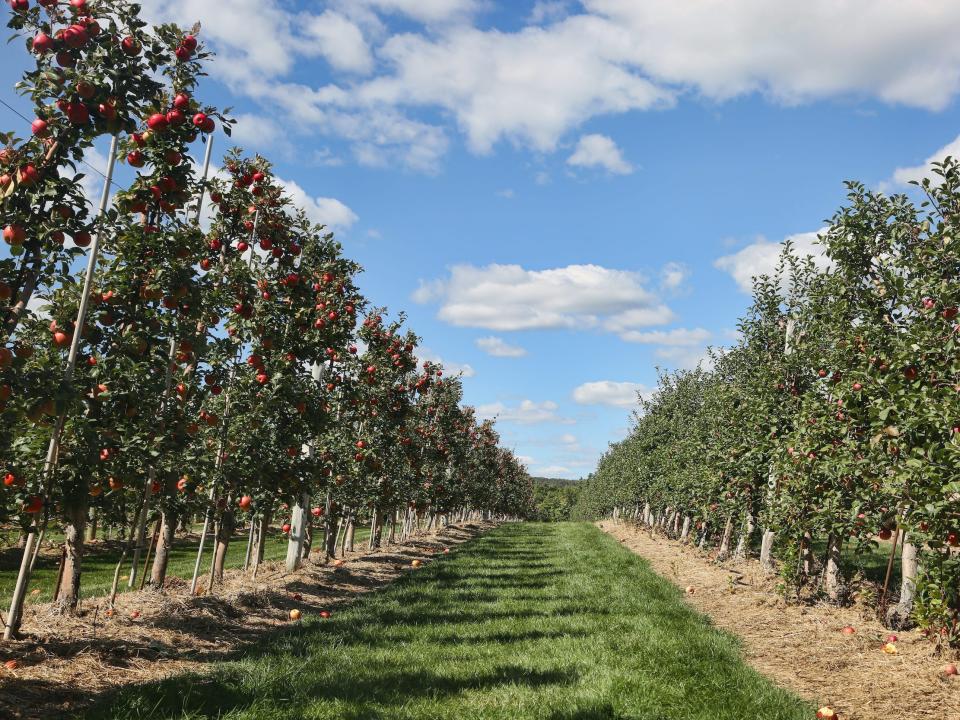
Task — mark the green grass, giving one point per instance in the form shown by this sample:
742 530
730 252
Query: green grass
100 562
551 621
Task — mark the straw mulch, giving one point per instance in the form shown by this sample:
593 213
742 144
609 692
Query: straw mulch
801 646
65 663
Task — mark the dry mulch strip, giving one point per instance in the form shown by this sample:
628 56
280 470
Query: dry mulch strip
801 646
65 663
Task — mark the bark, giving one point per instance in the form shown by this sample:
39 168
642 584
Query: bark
92 525
260 542
685 532
724 550
743 544
27 284
168 524
703 538
348 535
333 530
833 577
900 616
73 534
307 539
806 555
224 533
766 551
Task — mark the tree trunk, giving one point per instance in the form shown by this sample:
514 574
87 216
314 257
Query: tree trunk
348 535
330 540
743 544
724 550
703 537
806 555
92 525
73 534
685 532
224 533
168 524
766 551
900 616
833 578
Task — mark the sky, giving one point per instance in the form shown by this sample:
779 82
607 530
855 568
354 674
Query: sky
566 196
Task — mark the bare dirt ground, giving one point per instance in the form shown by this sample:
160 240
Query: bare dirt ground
801 646
65 663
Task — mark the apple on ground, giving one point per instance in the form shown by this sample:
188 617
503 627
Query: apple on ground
294 614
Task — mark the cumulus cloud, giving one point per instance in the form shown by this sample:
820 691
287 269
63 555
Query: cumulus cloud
324 210
534 85
528 412
673 275
761 257
498 347
683 357
510 297
905 175
608 392
340 42
449 368
599 151
678 337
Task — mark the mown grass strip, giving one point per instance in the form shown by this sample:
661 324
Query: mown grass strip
552 621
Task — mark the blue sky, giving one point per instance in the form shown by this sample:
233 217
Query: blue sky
563 196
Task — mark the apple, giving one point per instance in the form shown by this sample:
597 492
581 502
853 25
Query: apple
691 589
857 387
325 614
416 564
78 113
42 43
244 502
950 670
14 234
33 505
40 127
892 638
9 479
182 483
12 664
285 528
953 539
28 175
848 630
317 511
81 239
889 648
885 534
827 713
294 614
130 46
182 102
136 159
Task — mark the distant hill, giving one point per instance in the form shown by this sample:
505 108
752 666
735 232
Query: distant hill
554 482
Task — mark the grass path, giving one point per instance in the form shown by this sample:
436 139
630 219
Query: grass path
528 621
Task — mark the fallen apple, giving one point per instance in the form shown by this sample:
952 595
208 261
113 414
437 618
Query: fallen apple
416 564
691 589
827 713
325 614
294 614
950 670
848 630
889 649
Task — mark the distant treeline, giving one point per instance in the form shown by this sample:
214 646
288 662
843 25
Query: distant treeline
555 498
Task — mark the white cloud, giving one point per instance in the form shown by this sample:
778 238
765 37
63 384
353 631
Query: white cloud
509 297
904 175
256 131
529 87
684 357
548 11
506 194
449 368
535 85
340 42
599 151
324 210
561 471
425 11
761 257
796 52
673 275
568 439
497 347
608 392
678 337
527 412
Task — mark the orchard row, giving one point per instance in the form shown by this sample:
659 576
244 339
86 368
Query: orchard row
217 357
833 424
